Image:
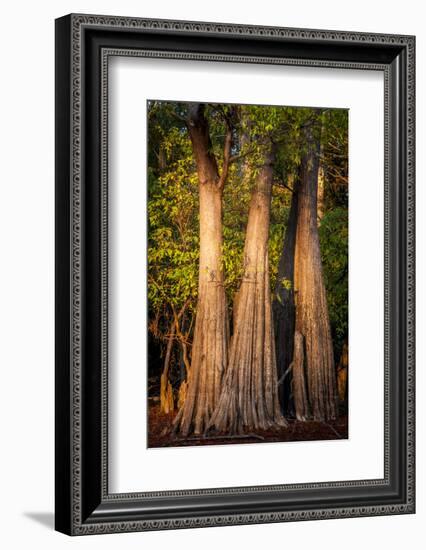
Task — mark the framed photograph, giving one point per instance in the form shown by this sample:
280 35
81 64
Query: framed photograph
234 274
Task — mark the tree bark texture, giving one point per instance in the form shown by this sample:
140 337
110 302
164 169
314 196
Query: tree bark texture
249 396
210 343
284 307
301 404
312 319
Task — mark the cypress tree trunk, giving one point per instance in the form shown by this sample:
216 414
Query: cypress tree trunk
210 344
249 397
284 307
312 319
301 404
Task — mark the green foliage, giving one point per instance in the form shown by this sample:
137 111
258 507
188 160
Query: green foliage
334 252
173 218
173 240
334 157
280 209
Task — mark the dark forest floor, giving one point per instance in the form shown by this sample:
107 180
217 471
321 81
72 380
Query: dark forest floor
160 424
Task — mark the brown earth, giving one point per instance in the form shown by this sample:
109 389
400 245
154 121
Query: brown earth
160 426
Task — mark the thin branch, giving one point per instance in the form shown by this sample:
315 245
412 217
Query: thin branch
284 185
180 118
240 156
284 376
182 337
226 155
335 431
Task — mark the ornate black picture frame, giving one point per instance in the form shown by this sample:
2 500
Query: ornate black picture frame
83 45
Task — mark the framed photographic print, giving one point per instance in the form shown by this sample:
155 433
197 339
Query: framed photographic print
234 274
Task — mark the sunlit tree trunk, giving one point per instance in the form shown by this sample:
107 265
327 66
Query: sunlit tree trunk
301 404
312 319
249 397
284 307
210 343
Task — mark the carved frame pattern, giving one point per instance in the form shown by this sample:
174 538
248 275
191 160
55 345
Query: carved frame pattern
71 518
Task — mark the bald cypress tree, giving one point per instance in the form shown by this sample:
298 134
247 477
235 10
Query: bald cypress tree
312 318
210 344
249 396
